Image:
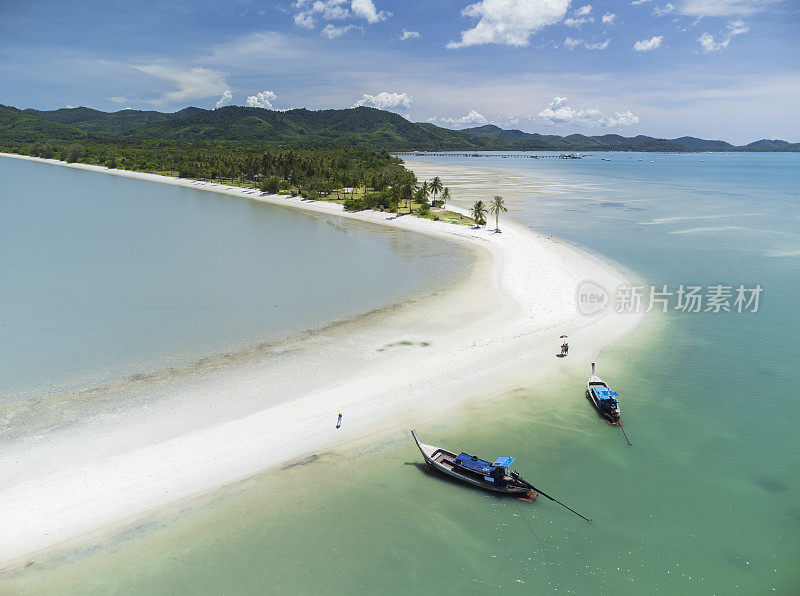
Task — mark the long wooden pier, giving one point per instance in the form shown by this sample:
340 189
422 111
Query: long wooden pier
472 154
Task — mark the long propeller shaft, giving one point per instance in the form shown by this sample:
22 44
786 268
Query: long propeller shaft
529 485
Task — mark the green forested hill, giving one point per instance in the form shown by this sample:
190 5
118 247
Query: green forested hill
17 126
362 127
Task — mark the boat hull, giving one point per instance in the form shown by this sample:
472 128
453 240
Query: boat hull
443 461
613 417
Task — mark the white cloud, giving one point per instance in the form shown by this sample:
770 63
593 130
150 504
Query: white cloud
558 112
608 18
386 100
332 31
600 45
366 10
509 22
571 22
226 98
336 10
571 43
647 45
472 118
636 2
660 12
723 8
117 99
195 83
734 28
627 118
304 19
409 35
328 10
69 106
580 16
263 99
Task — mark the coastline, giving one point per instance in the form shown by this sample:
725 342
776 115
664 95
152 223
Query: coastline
495 331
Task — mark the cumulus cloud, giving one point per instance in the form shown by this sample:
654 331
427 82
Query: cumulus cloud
572 22
386 100
366 10
712 44
648 45
600 45
332 31
559 112
195 83
571 43
263 99
336 10
724 8
619 118
328 10
473 117
509 22
580 16
409 35
226 98
608 18
660 12
305 19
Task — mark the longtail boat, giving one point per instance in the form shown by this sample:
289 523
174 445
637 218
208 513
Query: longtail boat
603 398
478 472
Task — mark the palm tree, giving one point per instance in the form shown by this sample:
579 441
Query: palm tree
436 186
496 206
478 213
407 193
445 195
425 188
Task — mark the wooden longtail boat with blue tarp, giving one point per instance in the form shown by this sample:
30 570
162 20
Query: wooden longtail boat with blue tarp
491 476
479 472
603 398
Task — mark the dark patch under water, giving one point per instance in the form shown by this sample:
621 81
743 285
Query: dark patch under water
301 461
773 485
405 342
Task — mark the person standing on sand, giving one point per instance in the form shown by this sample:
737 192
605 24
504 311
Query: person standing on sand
339 421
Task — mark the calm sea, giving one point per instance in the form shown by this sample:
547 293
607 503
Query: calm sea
106 277
706 501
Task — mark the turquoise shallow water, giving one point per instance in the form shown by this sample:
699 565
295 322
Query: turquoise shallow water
105 277
706 501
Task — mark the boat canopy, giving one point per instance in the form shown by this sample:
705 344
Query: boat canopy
470 462
605 393
504 462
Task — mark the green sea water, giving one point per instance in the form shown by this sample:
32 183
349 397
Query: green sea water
706 501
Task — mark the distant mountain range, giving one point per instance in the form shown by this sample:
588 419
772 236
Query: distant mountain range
358 127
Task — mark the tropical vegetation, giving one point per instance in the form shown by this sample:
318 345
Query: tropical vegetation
496 207
478 213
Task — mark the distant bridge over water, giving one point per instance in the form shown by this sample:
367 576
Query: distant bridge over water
472 154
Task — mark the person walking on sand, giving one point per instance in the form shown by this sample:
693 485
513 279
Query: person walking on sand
339 421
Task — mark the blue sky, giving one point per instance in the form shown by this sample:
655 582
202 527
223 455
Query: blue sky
710 68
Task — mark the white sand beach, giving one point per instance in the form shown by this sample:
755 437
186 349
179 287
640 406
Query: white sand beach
73 464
